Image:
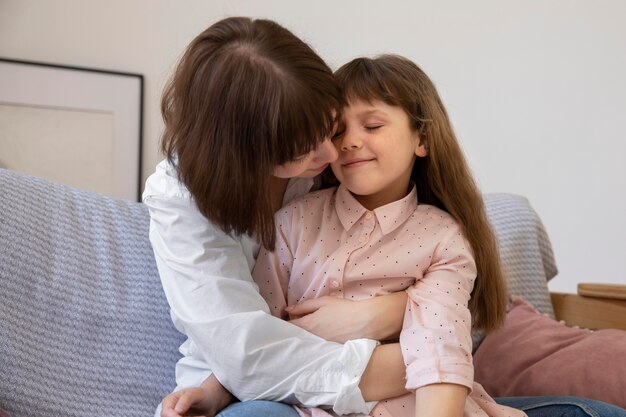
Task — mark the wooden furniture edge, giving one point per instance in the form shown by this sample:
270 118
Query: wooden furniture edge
589 312
616 291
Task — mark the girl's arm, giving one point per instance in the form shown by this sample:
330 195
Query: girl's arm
436 338
206 278
384 376
440 400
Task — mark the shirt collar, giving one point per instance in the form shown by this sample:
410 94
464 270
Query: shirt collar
389 216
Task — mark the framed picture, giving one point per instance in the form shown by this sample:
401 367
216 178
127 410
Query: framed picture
77 126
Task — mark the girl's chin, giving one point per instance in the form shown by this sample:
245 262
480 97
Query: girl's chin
360 190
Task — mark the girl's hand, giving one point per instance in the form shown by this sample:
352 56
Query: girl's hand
207 400
340 320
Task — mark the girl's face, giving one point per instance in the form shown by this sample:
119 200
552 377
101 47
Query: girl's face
309 165
376 150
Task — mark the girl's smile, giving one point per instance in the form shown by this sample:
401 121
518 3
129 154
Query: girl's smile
355 163
377 148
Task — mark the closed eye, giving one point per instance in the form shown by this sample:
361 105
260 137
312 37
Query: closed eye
372 128
338 134
299 159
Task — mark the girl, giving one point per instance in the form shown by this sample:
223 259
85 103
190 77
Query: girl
406 217
247 113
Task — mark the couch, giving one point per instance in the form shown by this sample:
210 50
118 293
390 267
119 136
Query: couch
84 324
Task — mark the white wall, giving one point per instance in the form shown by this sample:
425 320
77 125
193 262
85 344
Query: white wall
536 89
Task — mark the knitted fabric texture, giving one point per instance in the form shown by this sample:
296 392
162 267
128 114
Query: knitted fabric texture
84 324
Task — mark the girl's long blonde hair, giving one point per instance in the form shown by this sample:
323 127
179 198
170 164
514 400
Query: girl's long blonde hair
442 178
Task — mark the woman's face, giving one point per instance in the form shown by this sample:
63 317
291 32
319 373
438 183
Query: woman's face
309 165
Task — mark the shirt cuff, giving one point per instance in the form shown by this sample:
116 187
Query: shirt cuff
448 370
336 384
355 357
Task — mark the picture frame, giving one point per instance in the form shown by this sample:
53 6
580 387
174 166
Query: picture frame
74 125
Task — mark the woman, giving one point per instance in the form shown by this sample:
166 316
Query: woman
248 114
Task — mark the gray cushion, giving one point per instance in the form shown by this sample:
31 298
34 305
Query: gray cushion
527 258
84 324
525 250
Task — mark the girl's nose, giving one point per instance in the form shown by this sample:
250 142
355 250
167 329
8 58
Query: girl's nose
350 142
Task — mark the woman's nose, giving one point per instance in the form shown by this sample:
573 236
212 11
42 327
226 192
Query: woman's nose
326 152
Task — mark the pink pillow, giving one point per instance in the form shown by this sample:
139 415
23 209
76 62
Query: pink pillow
535 355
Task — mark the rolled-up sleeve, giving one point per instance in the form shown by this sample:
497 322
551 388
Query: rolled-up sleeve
435 340
214 301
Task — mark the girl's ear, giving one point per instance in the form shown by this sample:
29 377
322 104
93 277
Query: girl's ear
421 149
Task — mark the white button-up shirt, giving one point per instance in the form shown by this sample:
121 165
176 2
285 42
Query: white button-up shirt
214 301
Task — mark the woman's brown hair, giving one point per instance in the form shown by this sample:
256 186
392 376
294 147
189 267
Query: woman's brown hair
442 178
247 95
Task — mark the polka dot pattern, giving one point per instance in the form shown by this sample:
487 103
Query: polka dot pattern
330 245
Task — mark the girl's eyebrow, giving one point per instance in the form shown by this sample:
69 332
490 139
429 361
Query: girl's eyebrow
375 112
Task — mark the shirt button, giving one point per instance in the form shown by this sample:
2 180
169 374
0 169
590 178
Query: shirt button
368 216
362 239
334 284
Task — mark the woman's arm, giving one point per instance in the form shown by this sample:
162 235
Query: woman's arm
340 320
206 278
384 376
331 318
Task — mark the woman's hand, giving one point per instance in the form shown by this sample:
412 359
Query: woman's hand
340 320
207 400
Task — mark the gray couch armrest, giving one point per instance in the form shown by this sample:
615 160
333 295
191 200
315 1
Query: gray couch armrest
84 325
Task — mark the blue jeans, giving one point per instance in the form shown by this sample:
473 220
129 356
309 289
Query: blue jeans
562 407
533 406
258 408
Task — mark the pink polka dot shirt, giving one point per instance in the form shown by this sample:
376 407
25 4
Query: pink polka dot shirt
329 244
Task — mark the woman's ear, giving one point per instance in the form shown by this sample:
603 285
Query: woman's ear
421 149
